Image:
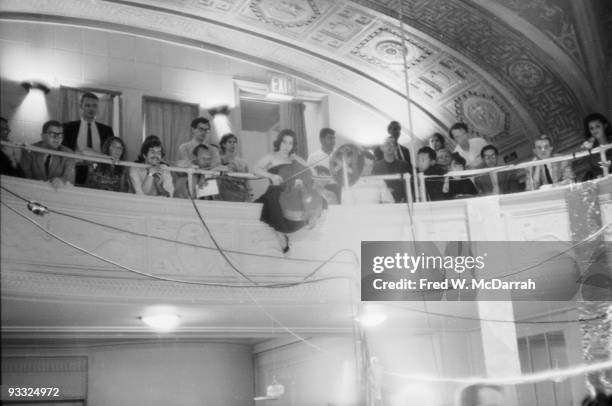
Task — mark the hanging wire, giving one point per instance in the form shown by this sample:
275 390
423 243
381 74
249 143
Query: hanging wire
512 380
170 240
306 280
161 278
330 259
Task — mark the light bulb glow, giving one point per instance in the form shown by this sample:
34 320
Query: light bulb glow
371 319
162 322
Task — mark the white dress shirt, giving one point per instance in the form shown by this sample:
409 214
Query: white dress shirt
82 137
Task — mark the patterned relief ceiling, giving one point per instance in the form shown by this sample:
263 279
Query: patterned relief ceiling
463 62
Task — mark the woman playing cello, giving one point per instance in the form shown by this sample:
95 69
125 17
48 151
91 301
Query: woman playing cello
290 201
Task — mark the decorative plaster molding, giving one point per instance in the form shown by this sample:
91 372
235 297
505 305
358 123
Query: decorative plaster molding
38 364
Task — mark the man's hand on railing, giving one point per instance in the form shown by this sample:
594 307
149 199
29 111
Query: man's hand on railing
588 144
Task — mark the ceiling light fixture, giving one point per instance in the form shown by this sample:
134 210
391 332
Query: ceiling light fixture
371 319
33 84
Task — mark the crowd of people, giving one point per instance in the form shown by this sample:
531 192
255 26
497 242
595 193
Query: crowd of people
89 137
435 161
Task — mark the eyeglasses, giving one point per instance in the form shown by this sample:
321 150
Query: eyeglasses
205 129
54 134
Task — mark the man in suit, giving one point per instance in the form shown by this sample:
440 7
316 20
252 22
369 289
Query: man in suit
495 183
86 136
56 169
394 129
389 164
426 164
549 173
9 156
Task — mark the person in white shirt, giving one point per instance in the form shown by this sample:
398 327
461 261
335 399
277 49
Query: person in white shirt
200 131
156 180
549 173
318 161
468 148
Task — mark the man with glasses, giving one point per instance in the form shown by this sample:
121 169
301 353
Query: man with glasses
9 156
200 131
56 169
495 183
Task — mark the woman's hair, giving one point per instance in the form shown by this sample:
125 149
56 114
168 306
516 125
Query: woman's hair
107 144
151 141
440 138
279 138
225 139
456 157
597 117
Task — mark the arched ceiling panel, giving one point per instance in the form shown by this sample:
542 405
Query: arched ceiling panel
466 59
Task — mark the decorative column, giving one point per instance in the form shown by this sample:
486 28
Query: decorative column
596 280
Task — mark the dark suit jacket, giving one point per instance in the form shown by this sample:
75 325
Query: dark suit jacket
396 186
6 167
33 164
507 181
536 175
433 186
378 154
71 133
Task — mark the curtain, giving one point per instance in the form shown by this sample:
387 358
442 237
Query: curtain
108 105
170 121
292 117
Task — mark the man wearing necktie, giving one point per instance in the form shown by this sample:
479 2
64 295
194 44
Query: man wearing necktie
86 136
56 169
549 173
394 129
495 182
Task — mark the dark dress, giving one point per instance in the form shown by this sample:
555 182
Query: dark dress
285 207
107 177
595 170
459 188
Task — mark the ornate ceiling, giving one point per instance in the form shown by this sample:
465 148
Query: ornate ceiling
511 69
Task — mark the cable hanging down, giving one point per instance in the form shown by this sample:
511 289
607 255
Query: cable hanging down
161 278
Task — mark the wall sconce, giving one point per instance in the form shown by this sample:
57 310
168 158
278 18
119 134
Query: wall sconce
28 85
162 323
222 110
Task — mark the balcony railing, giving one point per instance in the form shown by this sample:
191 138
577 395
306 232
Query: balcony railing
415 188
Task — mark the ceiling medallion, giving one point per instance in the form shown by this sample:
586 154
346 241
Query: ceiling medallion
286 13
526 73
390 51
383 47
482 113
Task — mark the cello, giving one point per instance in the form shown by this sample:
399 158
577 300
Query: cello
299 200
